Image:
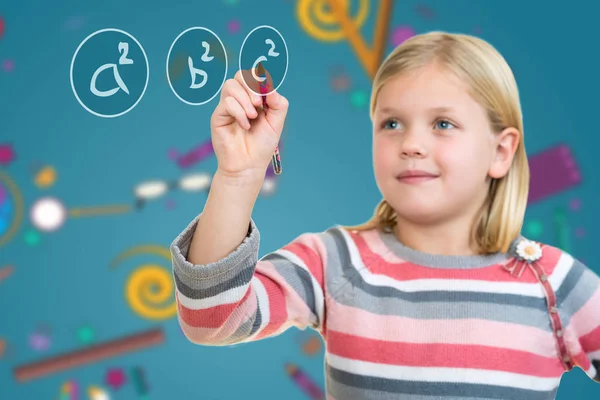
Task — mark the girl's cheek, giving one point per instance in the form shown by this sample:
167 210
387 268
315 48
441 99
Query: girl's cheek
383 151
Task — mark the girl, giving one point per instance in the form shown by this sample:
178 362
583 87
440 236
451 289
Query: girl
438 296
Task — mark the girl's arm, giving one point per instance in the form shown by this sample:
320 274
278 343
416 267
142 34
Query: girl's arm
580 294
225 219
239 298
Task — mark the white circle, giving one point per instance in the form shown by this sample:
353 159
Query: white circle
48 214
287 56
195 182
151 190
268 186
73 63
169 56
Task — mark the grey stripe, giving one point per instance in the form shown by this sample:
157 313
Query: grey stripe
346 286
202 289
341 391
370 387
246 329
296 277
443 261
221 271
566 288
596 364
257 319
577 288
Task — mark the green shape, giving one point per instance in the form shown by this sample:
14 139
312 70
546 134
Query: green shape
32 238
534 229
359 99
561 222
86 335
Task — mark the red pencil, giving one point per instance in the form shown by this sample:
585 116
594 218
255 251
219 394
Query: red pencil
264 89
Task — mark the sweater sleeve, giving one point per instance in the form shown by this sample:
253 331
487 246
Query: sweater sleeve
580 294
241 298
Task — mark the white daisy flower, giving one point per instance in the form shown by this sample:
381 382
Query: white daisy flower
529 251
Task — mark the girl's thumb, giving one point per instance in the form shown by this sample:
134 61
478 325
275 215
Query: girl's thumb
277 110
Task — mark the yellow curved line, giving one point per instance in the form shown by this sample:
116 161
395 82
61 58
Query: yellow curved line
138 290
143 249
139 294
303 13
98 210
18 200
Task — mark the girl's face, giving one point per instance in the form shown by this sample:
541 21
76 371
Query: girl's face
433 148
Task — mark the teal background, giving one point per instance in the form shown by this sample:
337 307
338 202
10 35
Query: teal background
65 282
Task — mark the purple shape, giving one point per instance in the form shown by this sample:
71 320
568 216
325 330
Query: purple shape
401 34
170 204
552 171
172 154
270 171
39 342
575 204
8 65
196 155
233 26
307 384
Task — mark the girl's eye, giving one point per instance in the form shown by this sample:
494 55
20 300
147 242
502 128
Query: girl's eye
444 124
391 124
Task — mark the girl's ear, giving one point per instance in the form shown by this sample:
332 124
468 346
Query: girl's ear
506 143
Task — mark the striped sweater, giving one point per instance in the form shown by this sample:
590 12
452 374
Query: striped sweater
398 323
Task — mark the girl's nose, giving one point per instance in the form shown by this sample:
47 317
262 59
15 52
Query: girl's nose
412 146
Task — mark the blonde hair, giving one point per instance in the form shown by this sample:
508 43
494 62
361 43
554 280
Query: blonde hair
492 84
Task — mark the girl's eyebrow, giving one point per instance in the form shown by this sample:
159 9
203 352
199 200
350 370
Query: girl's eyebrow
392 110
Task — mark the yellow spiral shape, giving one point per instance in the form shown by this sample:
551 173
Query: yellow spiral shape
318 20
149 292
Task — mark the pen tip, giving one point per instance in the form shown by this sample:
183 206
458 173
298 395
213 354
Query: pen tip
260 70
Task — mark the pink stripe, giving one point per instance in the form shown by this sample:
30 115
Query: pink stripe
587 318
582 361
306 247
216 316
277 306
375 245
283 299
591 341
456 331
381 261
443 355
209 335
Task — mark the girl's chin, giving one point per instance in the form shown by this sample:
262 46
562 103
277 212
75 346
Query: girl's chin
419 213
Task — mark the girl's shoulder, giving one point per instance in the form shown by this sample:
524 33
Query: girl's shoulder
559 266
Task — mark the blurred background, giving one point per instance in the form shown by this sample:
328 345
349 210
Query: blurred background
89 205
